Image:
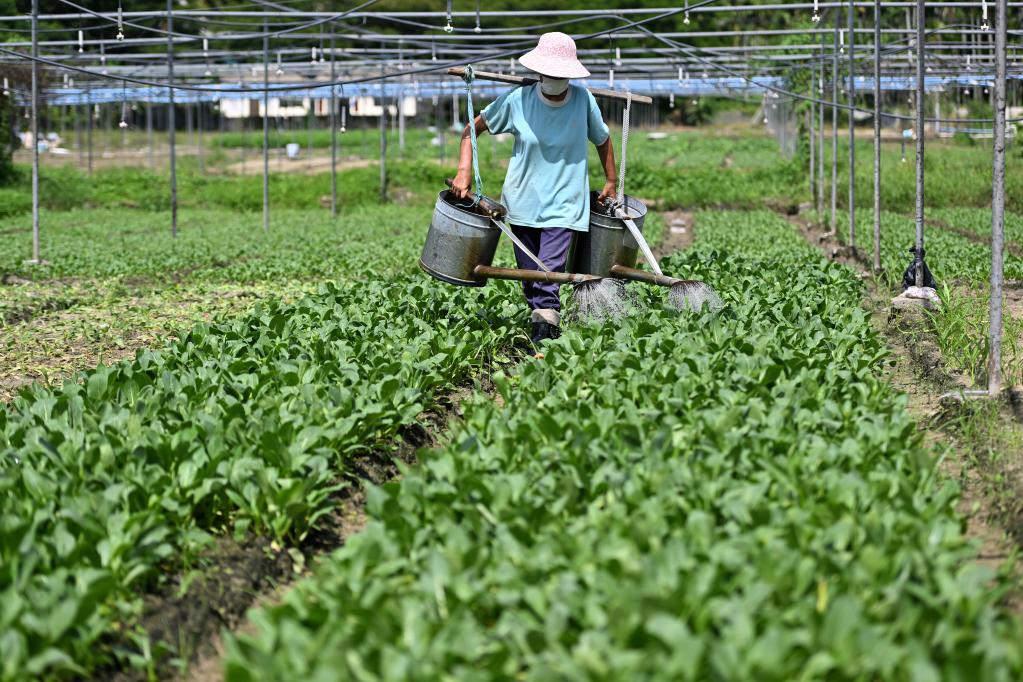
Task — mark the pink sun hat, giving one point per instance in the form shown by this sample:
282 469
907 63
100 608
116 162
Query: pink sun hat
554 56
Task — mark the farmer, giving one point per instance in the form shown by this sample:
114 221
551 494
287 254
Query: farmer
547 187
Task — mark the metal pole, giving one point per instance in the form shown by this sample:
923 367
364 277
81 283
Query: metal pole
994 360
79 144
401 120
852 125
920 47
333 131
198 127
310 114
35 132
266 127
189 128
834 130
88 128
877 136
812 116
820 140
149 133
170 120
383 139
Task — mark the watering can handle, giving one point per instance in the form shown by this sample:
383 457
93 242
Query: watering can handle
489 206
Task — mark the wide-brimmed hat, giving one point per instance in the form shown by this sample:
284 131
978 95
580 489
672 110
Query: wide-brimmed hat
554 56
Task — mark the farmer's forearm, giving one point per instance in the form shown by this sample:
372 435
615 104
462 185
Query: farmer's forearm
465 151
606 152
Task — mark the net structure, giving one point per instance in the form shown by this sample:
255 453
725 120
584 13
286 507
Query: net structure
812 66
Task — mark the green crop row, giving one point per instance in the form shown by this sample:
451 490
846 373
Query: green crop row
673 497
222 246
950 257
244 426
978 221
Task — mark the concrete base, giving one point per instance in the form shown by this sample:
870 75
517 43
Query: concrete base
33 261
917 297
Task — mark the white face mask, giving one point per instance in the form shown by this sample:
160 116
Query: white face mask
553 86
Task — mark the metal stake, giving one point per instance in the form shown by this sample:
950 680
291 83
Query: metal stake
920 47
834 130
35 132
171 121
820 141
852 126
149 133
877 136
994 360
812 116
198 127
88 129
266 127
383 142
333 131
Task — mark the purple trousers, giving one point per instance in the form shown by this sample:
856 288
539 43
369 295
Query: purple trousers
549 244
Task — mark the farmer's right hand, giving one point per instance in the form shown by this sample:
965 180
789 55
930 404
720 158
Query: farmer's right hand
461 184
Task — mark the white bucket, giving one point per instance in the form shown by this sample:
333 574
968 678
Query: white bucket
292 149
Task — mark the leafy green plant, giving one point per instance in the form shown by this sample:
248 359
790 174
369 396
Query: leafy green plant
244 426
680 496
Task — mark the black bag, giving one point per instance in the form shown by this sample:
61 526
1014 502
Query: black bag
909 277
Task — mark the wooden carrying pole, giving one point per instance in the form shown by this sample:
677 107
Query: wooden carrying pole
522 80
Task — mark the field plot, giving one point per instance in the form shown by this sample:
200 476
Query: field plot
680 497
241 426
117 281
960 260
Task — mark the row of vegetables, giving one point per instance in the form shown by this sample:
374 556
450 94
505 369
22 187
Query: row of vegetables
674 496
245 426
678 496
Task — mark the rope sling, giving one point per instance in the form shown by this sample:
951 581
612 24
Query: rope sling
468 77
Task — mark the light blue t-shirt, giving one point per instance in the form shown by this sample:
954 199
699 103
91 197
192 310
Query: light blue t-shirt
547 183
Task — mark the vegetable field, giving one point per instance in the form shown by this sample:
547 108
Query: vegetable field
744 494
753 505
678 496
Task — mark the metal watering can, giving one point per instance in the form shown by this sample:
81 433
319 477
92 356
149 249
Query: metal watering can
463 238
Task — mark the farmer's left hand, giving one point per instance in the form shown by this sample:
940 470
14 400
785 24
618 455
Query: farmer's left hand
610 191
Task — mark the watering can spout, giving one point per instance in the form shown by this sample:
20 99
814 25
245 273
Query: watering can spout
634 275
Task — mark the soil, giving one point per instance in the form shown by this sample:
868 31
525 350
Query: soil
25 313
990 486
253 165
679 233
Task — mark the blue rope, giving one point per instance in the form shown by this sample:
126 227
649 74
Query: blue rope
468 77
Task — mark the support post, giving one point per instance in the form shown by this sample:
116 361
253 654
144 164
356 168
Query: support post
994 364
79 144
851 92
35 132
812 117
877 136
170 120
920 47
266 127
820 139
834 130
383 137
199 143
88 127
333 130
149 133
